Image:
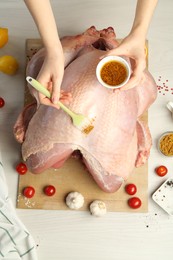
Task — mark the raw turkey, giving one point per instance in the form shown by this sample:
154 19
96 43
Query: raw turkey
119 141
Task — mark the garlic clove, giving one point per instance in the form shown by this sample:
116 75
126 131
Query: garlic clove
98 208
74 200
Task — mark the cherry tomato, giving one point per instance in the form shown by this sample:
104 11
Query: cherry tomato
131 188
3 36
2 102
29 192
134 202
161 170
49 190
21 168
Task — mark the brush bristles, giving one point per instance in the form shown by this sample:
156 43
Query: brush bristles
87 126
87 129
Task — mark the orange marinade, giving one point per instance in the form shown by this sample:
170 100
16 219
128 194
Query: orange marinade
113 73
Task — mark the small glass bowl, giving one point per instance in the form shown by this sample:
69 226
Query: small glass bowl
167 145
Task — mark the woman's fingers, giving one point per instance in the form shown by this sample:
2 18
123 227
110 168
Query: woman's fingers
65 97
137 75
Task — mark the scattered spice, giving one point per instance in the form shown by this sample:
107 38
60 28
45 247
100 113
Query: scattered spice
166 144
113 73
163 87
169 183
88 129
27 202
31 52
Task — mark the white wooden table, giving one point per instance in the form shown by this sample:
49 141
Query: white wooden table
69 235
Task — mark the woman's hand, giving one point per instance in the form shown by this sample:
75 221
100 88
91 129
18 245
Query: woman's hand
133 47
51 75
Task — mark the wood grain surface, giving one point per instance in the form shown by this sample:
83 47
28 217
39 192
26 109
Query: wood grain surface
73 176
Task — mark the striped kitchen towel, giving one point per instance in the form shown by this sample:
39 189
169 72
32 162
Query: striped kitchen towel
15 240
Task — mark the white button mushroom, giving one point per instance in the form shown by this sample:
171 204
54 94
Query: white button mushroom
98 208
74 200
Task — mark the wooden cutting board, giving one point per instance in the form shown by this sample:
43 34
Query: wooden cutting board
73 176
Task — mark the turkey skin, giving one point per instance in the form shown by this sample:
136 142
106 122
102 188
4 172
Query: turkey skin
119 142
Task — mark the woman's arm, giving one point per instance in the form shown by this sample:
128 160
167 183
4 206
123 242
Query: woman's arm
52 70
144 13
42 14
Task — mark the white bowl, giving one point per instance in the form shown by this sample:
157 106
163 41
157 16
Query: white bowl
109 59
160 138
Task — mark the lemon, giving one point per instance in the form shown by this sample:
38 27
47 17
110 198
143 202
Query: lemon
8 65
3 36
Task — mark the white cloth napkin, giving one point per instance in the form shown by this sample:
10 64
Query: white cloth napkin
15 241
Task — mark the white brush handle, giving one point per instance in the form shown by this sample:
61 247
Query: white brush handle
35 84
